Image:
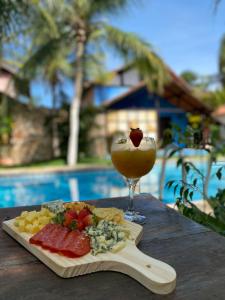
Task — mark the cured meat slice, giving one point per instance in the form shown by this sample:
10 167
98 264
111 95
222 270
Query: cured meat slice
55 239
40 236
76 244
51 237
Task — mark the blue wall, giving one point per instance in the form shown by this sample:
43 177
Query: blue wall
102 93
179 119
165 104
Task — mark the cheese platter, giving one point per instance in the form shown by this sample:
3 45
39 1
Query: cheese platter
155 275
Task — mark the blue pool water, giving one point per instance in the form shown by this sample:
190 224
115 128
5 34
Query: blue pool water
86 185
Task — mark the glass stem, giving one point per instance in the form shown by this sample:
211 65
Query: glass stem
131 184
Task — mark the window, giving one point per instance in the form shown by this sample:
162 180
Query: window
123 120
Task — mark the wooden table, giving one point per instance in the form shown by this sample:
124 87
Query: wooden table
197 254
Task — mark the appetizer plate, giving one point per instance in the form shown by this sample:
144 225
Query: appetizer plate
155 275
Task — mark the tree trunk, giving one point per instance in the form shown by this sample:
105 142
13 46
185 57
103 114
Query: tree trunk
163 172
207 178
183 173
55 135
72 154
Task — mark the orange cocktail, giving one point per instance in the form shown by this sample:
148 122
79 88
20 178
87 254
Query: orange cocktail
133 163
133 157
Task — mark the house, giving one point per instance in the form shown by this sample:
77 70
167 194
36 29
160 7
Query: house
219 114
128 103
7 86
25 130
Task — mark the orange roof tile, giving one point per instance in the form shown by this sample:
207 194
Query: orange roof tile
220 111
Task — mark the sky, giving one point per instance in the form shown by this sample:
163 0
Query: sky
185 33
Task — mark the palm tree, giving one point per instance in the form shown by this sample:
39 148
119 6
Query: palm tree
222 61
11 16
50 65
80 27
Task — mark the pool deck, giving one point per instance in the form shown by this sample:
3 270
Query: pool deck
60 169
79 167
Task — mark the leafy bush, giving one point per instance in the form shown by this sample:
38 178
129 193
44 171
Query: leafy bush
184 189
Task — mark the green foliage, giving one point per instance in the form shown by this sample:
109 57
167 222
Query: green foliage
5 121
193 212
214 99
87 122
190 77
52 49
5 129
185 188
12 16
140 53
222 60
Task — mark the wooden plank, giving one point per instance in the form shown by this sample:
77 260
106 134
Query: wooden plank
194 251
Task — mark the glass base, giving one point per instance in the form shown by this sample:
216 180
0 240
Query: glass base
134 216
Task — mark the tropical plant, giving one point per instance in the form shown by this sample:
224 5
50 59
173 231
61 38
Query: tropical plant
222 61
214 98
48 61
184 192
190 77
85 140
217 3
80 27
12 16
193 180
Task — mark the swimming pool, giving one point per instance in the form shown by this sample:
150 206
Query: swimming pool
85 185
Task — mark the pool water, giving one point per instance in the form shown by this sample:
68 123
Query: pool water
87 185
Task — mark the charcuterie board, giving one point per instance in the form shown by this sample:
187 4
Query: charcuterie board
155 275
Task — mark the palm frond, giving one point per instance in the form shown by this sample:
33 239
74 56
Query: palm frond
40 57
140 54
94 67
217 3
222 60
49 21
12 16
110 6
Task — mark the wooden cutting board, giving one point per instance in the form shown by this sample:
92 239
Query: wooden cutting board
155 275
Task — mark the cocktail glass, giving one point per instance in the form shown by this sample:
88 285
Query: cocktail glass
133 163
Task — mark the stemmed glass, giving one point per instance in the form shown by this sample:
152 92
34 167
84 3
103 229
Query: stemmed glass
133 162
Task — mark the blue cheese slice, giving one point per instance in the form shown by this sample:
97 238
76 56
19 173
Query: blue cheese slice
55 206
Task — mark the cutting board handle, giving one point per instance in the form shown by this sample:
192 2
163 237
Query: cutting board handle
154 274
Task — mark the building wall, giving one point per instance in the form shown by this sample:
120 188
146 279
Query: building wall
31 138
122 120
129 77
98 135
221 119
6 84
177 118
141 109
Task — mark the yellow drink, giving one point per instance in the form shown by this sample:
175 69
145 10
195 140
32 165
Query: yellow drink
133 163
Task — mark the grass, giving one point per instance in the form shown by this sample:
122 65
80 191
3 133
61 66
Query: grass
60 162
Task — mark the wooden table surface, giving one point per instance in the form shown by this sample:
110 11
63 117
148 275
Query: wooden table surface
196 253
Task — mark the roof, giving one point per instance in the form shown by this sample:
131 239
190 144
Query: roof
177 92
220 111
7 67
